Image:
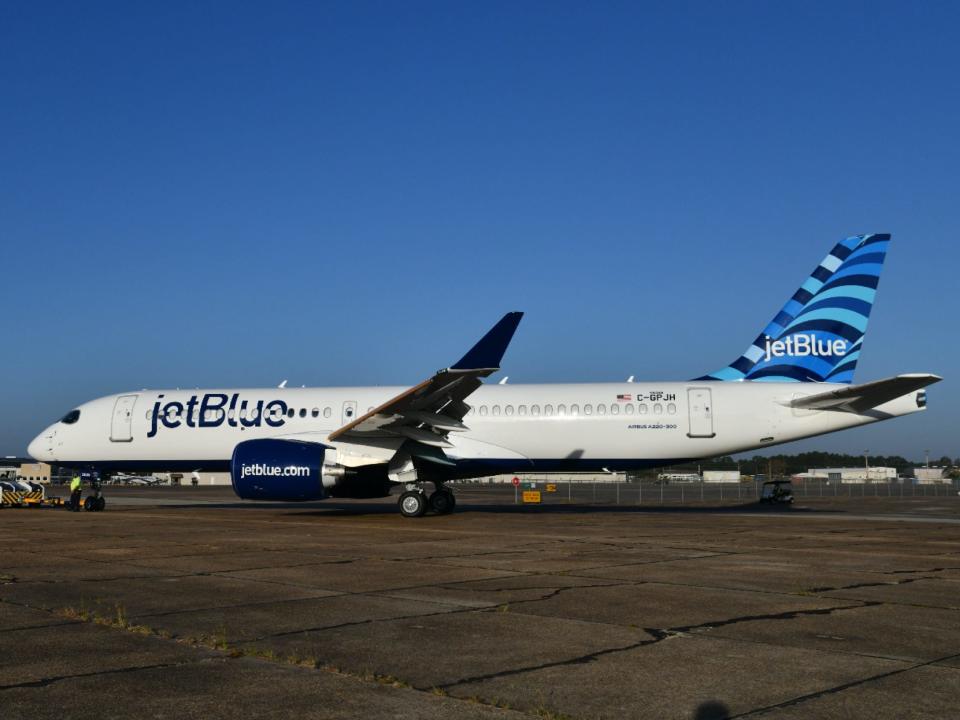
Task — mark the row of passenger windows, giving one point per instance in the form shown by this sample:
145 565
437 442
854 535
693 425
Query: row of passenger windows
252 413
548 410
574 409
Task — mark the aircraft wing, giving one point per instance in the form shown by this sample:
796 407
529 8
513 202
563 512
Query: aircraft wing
857 398
428 412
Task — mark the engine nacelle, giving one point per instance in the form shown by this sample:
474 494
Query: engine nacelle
270 469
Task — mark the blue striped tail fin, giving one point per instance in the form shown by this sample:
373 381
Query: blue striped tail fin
818 334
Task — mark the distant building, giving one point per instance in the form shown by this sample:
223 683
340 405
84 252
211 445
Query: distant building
549 478
679 477
721 476
202 478
25 468
851 475
10 466
930 475
35 472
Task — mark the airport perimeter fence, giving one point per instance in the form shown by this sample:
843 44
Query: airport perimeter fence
733 493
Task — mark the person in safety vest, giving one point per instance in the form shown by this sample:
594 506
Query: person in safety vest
76 485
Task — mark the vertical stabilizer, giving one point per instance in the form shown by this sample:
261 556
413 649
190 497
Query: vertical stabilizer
818 334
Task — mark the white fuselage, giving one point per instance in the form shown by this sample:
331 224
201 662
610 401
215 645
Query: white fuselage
511 428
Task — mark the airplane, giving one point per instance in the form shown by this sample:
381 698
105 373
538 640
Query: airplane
290 444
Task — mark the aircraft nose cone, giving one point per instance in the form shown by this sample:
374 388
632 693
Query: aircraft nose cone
37 448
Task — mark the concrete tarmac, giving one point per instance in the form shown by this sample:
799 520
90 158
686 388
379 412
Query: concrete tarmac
186 603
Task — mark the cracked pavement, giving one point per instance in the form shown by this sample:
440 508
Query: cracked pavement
216 608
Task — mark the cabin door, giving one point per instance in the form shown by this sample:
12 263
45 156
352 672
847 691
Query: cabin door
700 412
121 424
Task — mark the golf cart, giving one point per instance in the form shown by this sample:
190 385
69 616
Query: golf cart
777 491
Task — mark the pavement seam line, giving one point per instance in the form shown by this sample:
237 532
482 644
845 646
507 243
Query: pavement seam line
44 682
659 634
844 686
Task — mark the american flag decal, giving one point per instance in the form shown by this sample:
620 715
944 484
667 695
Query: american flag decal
624 398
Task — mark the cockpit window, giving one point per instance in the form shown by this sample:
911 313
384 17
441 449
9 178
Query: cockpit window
71 417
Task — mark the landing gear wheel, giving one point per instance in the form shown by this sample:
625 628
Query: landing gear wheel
442 502
101 503
413 504
90 504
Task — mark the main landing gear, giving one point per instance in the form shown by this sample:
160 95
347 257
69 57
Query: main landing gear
415 503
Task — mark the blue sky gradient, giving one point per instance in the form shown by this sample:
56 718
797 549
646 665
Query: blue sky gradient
230 194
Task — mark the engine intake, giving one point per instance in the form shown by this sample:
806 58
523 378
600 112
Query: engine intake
288 470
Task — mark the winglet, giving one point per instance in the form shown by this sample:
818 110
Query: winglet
487 354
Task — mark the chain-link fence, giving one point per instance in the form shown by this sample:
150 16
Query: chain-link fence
659 493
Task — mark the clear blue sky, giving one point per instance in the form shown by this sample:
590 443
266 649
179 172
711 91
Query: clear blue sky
230 194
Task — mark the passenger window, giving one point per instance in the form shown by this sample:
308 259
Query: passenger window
561 409
548 409
483 409
303 412
315 412
508 410
614 409
574 409
629 409
658 409
326 412
643 408
496 409
522 410
588 409
534 409
290 412
671 409
601 409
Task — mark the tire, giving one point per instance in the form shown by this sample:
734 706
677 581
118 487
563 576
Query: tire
442 502
89 504
101 504
412 504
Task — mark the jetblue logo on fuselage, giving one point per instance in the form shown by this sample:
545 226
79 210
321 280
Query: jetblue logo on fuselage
802 345
213 410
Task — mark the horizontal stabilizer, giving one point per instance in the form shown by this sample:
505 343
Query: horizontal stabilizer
858 398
